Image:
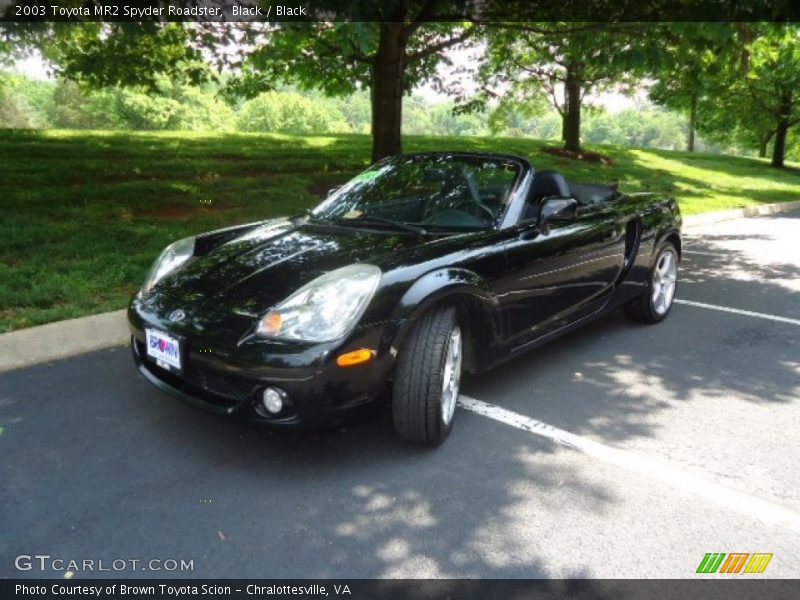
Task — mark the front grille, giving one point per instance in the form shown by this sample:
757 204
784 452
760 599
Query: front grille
212 386
219 384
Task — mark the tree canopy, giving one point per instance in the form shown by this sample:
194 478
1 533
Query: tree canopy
564 62
388 55
735 82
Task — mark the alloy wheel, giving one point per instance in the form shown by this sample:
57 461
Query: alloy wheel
451 374
665 277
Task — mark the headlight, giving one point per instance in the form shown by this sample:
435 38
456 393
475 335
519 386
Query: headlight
171 258
324 309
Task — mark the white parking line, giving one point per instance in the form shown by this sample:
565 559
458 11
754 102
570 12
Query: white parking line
738 311
741 502
717 254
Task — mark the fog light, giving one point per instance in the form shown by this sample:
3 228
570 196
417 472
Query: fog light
272 400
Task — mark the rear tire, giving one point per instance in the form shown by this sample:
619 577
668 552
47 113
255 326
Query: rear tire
654 304
427 378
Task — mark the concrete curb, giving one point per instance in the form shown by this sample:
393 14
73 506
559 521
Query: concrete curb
738 213
61 339
53 341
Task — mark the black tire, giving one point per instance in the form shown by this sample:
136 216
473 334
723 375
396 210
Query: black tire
643 309
417 396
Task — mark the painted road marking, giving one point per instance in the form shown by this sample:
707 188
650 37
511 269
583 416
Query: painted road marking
732 499
717 254
738 311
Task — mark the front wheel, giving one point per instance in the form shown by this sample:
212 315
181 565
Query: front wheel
427 378
654 304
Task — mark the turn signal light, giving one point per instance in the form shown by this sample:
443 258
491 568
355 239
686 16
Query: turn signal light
356 357
270 324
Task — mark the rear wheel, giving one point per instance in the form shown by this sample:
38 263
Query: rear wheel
427 378
656 301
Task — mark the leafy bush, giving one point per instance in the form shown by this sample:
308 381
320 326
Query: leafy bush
65 105
27 103
22 102
289 112
422 118
631 127
14 110
185 109
71 108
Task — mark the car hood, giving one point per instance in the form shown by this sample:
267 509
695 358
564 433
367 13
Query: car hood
265 265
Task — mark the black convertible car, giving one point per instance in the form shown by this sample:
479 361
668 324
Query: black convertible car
420 268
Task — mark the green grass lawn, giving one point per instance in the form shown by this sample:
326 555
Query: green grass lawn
83 214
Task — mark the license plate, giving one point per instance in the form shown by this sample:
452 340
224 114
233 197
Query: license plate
164 349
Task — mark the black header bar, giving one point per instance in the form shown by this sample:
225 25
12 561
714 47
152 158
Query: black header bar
479 11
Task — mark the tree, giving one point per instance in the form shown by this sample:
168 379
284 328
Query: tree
565 61
689 68
388 49
731 117
756 100
772 79
388 58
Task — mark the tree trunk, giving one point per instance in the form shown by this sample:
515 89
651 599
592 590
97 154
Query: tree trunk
779 149
692 123
388 74
762 146
763 143
572 112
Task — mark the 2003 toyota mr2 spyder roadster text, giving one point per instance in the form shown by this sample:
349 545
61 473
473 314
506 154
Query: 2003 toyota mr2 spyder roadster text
422 267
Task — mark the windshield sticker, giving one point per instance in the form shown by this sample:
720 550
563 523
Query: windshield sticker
367 176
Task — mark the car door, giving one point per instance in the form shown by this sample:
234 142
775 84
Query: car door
562 273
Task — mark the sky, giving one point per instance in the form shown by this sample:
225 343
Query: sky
32 66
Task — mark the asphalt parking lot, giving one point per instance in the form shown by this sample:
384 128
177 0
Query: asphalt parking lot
618 451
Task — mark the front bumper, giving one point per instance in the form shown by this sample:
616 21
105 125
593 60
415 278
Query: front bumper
229 378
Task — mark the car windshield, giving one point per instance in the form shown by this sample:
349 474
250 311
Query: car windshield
441 191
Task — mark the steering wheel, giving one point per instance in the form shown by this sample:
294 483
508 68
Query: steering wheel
476 204
475 197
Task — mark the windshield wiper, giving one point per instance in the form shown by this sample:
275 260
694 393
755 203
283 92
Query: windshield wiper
365 218
318 218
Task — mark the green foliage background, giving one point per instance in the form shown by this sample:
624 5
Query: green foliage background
62 104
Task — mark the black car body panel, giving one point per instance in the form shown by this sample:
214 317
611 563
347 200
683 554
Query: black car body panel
517 283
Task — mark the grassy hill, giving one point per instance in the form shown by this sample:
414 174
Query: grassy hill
83 214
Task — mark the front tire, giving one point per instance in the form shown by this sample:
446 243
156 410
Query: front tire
427 378
654 304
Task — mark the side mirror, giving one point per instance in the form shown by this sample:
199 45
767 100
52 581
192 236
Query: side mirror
554 209
333 190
